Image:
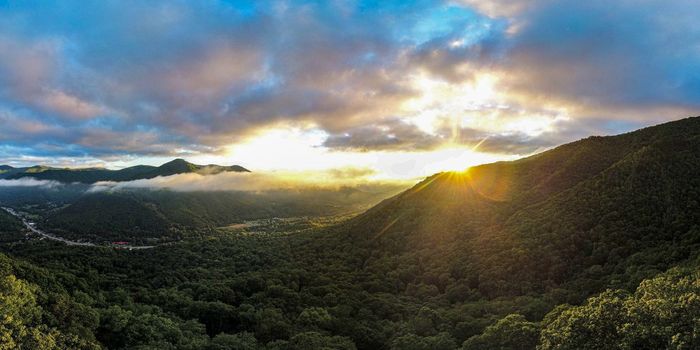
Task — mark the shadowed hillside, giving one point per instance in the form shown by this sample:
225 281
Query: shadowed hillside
140 214
591 245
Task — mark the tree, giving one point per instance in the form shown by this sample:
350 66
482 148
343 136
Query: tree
240 341
440 341
318 341
664 312
512 332
20 317
314 318
271 324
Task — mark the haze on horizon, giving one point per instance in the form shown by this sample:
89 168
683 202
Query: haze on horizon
383 90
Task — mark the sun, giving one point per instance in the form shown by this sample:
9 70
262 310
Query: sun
438 105
458 158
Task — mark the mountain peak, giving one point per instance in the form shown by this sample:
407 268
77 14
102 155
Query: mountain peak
181 166
177 161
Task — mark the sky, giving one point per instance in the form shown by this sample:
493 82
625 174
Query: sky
379 89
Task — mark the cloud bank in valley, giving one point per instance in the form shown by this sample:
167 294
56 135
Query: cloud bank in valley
256 182
29 182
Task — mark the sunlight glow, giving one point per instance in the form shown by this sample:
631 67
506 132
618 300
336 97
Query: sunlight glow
300 150
439 99
473 104
439 104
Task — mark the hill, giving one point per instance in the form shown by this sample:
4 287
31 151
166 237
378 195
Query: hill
138 215
93 175
603 212
597 203
591 245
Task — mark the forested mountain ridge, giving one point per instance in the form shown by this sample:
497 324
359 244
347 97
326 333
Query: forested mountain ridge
93 175
603 212
591 245
138 215
544 218
499 193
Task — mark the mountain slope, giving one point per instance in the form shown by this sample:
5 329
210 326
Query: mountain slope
589 207
592 245
110 217
139 214
92 175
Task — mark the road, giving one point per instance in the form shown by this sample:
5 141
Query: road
32 227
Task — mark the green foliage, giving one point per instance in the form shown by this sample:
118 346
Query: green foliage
512 332
315 340
314 318
21 324
241 341
10 227
664 313
9 223
148 216
562 250
440 341
110 217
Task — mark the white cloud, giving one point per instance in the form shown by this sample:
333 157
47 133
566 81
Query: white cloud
29 182
252 182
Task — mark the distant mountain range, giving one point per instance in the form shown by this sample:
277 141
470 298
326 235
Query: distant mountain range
93 175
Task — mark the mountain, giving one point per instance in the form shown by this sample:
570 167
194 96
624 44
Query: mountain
180 166
137 215
591 245
526 236
7 171
93 175
601 201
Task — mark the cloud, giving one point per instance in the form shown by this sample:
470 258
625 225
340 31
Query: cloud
253 182
69 105
500 8
387 135
619 60
109 79
199 75
29 182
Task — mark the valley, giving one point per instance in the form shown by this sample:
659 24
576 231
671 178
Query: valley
350 175
31 226
589 244
270 226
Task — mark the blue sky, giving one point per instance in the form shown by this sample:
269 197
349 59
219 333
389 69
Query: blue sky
369 84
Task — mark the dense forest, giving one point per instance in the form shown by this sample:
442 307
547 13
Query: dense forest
163 215
76 211
591 245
